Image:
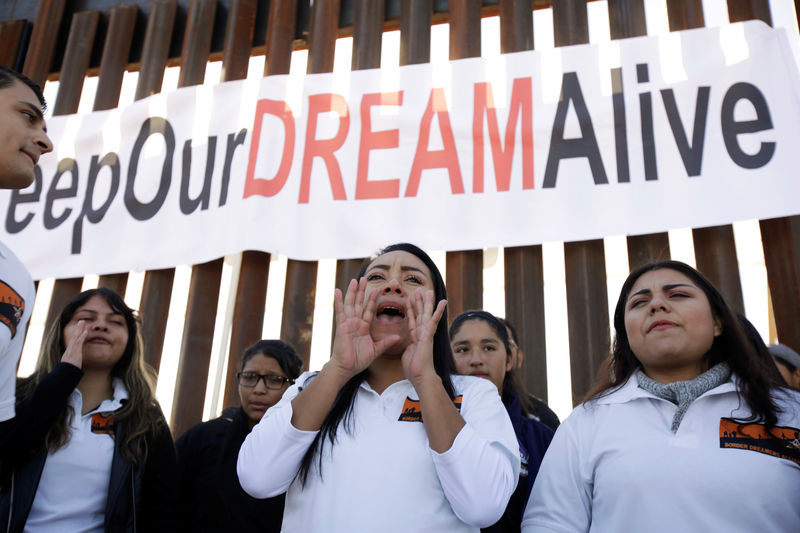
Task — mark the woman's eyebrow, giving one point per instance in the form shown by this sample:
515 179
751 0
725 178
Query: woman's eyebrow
677 285
667 287
402 268
640 293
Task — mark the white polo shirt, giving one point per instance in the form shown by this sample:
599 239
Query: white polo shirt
73 489
16 304
383 476
614 465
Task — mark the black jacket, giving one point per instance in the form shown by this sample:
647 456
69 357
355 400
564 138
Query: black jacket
141 497
211 497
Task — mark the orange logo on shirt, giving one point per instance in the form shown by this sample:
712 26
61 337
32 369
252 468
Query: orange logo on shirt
12 307
103 424
412 412
782 442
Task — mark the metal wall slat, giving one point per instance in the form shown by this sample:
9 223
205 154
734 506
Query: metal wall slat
155 50
238 39
248 315
201 306
627 19
587 298
781 241
714 247
251 291
464 268
76 63
301 276
157 285
523 265
741 10
715 253
524 288
116 51
415 32
280 36
11 33
368 18
247 320
685 14
780 237
41 46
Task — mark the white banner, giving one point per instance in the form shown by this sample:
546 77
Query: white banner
690 129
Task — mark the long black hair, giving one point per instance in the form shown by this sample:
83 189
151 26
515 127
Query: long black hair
139 413
342 409
731 346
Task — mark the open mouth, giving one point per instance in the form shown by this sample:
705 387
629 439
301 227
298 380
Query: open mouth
390 313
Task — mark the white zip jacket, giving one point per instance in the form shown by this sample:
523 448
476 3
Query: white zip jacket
614 465
384 476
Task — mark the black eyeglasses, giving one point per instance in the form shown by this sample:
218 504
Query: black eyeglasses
271 381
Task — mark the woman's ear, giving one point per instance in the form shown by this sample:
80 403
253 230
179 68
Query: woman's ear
717 326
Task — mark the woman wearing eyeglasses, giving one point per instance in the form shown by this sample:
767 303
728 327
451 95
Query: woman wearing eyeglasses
211 497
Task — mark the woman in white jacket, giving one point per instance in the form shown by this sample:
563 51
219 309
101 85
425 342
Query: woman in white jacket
385 437
690 431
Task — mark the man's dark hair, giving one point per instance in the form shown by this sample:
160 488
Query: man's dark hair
8 77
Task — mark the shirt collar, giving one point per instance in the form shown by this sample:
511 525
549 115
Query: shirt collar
631 391
119 396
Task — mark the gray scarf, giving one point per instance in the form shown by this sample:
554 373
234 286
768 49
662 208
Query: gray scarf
683 393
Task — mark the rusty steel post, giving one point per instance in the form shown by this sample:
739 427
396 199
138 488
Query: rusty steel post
464 268
301 276
157 286
780 237
714 247
251 291
248 311
42 44
201 306
523 265
73 71
11 33
587 299
368 18
116 51
626 18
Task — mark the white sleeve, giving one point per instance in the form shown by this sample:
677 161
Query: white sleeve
270 456
481 469
561 499
17 294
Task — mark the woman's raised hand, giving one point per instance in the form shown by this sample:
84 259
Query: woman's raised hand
353 347
74 352
422 322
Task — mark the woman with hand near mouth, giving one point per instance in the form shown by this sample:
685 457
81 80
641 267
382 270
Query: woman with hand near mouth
384 437
689 431
482 348
93 452
211 497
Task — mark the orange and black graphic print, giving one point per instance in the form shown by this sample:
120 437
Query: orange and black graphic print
412 412
103 424
12 307
782 442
